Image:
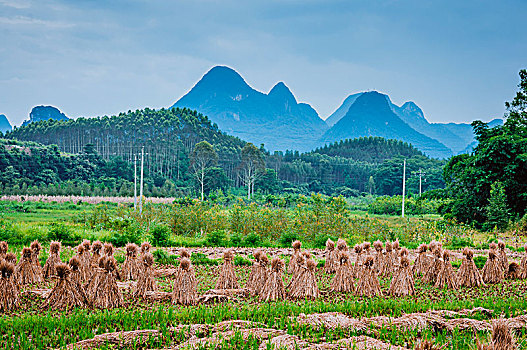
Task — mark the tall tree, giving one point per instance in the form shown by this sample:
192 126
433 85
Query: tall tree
252 167
497 210
203 157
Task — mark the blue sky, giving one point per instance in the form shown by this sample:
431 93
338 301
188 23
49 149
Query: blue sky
458 60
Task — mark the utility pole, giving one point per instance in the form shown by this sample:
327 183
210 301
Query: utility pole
141 184
135 182
404 185
421 173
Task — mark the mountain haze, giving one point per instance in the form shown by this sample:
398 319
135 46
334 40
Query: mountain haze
4 124
275 119
40 113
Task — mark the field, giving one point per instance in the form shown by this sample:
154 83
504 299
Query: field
31 327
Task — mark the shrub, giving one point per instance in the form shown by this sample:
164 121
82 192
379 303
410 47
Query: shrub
62 233
459 242
163 257
131 234
252 240
480 261
235 240
202 259
160 236
241 261
215 238
287 238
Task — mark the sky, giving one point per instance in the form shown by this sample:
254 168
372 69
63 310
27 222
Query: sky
458 60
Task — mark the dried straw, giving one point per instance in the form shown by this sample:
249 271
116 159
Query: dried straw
295 279
514 271
379 260
86 257
251 280
502 337
343 280
145 247
434 269
146 282
131 268
422 262
306 287
11 258
262 273
468 274
492 271
9 292
332 263
107 294
502 256
66 294
53 259
447 276
86 272
389 265
403 280
3 249
273 288
368 283
108 249
25 270
227 278
75 265
366 246
36 247
96 249
96 279
296 251
357 269
185 284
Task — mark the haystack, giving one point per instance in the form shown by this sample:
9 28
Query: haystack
11 258
185 285
396 248
86 272
86 257
422 262
25 270
468 273
447 276
493 271
343 280
108 249
379 260
434 268
366 247
252 279
273 288
368 283
75 267
66 294
107 294
36 247
357 268
523 263
131 268
3 249
403 279
502 256
331 265
96 254
262 273
296 251
146 282
389 265
9 292
227 278
307 287
514 271
96 278
502 337
295 279
145 248
53 259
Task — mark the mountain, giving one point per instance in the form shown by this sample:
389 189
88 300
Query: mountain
4 124
371 114
275 119
40 113
342 110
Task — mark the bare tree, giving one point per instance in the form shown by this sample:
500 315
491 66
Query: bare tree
203 157
251 167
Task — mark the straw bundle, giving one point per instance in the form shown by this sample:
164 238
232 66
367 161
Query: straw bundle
96 279
145 247
523 264
307 287
96 255
262 273
9 292
36 247
343 280
388 266
146 282
422 262
434 268
366 246
273 288
379 260
53 259
108 249
447 276
296 251
332 263
66 294
185 285
227 278
107 294
86 258
368 283
25 270
131 267
468 274
11 258
514 271
492 271
357 269
252 279
502 256
403 280
502 337
75 266
3 249
85 271
300 261
396 247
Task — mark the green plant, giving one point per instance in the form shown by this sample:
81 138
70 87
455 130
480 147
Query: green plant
252 240
287 238
480 261
62 233
215 238
241 261
201 259
160 236
235 240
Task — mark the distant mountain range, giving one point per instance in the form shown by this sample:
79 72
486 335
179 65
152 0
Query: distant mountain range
279 122
40 113
4 124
